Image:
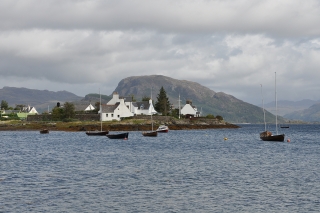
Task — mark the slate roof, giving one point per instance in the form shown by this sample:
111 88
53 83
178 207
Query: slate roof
80 106
143 105
109 108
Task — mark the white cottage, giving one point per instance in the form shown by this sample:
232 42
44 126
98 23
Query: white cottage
115 99
143 108
89 108
29 109
189 109
115 112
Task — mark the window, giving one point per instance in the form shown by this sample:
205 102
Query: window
107 115
112 115
118 116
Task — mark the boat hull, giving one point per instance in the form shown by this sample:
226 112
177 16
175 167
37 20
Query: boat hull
118 136
150 134
44 131
274 138
163 129
97 133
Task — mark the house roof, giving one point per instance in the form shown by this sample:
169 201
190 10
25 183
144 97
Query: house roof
109 108
143 105
127 99
81 106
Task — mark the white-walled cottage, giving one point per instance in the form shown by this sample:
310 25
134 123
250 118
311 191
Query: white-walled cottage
144 108
116 111
189 109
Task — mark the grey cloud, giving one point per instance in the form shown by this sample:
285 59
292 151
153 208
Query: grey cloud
290 18
229 46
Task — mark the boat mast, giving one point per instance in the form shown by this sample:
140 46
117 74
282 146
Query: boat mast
151 111
179 106
100 112
275 82
264 112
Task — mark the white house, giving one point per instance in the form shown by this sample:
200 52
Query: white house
137 108
115 112
143 108
89 108
189 109
30 110
83 106
115 99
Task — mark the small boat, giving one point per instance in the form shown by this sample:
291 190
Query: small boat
44 131
163 128
267 135
284 126
97 133
118 136
150 134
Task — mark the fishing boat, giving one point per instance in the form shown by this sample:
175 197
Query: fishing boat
163 128
44 131
118 136
97 132
267 135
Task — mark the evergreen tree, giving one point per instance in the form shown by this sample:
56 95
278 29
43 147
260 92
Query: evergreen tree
4 104
162 105
69 110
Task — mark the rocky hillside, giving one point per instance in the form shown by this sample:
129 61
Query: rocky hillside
312 114
207 100
40 99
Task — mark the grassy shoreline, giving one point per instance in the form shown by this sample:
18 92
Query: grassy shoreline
126 125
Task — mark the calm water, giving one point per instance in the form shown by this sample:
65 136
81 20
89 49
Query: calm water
182 171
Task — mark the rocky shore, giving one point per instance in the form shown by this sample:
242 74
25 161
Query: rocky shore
126 125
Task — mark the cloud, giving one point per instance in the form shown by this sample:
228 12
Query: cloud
230 46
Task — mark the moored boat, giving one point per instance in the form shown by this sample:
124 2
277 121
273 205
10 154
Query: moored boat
97 133
163 128
118 136
150 134
267 136
44 131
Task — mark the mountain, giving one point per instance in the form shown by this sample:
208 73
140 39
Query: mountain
287 107
209 102
40 99
312 114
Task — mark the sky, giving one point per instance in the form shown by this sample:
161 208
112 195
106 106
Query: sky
230 46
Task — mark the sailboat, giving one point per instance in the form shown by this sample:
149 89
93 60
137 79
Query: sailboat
98 133
267 135
150 133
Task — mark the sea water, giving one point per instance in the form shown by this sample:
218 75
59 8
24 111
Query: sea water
216 170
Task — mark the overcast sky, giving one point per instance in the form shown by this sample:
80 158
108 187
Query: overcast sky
229 46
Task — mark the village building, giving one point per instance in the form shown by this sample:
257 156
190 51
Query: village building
123 107
189 110
83 106
116 111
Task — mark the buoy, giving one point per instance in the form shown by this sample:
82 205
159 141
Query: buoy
288 140
225 139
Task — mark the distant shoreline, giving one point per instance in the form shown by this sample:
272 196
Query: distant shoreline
118 126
